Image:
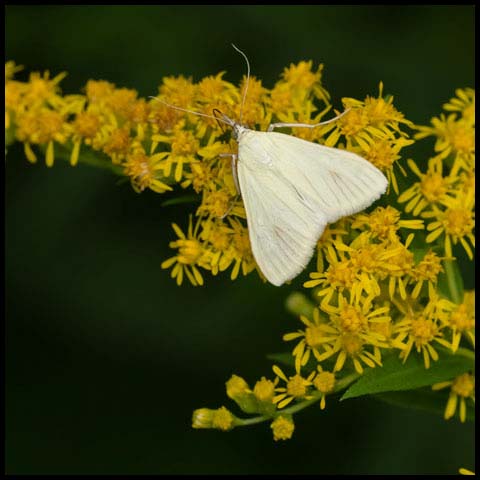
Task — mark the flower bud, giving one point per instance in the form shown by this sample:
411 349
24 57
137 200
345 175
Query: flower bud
239 391
221 419
282 427
264 391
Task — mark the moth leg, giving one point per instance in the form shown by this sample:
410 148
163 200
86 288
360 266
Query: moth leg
234 158
304 125
229 209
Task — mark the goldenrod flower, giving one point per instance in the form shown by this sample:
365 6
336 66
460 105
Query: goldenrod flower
41 91
454 137
399 264
301 75
122 102
179 91
432 189
426 270
372 129
296 387
350 332
312 338
464 103
282 427
347 332
217 237
384 223
343 273
456 223
97 91
462 320
199 177
146 171
463 388
324 382
239 251
223 419
162 118
381 112
14 91
216 203
212 87
183 148
351 124
85 129
351 346
190 254
331 239
298 83
421 327
360 267
264 392
383 154
117 143
42 126
11 68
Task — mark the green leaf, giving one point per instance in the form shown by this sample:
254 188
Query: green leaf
419 254
122 181
450 282
299 304
9 135
179 200
423 399
283 358
395 376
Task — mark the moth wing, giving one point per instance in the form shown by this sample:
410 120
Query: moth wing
291 189
336 181
283 229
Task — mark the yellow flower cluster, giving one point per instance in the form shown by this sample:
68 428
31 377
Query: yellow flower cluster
445 193
377 284
160 148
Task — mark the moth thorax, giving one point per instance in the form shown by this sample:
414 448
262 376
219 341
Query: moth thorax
237 130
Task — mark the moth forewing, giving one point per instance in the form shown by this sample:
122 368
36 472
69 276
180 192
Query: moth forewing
291 189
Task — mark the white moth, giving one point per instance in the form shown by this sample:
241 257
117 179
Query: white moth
292 189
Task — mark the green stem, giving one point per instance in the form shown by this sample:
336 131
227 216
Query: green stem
300 406
453 287
242 422
465 352
88 157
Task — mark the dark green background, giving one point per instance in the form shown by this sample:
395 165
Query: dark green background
105 357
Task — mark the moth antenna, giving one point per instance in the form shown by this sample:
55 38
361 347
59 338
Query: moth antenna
217 114
188 111
246 83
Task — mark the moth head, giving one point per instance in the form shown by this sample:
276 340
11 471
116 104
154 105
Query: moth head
222 118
